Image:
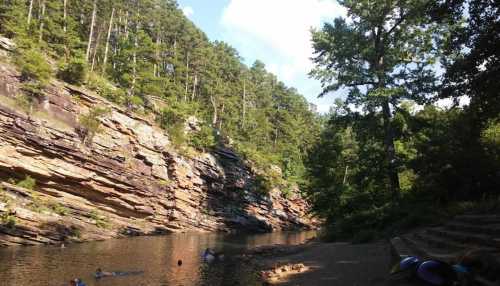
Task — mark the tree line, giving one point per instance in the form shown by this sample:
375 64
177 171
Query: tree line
146 55
388 157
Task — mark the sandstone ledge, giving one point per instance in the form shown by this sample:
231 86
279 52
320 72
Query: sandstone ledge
130 181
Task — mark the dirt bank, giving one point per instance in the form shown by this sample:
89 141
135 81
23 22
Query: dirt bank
329 264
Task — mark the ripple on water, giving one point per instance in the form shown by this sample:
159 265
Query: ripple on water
156 256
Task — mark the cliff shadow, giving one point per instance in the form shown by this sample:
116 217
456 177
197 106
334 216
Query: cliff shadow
234 197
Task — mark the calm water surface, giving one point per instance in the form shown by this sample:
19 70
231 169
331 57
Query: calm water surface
156 256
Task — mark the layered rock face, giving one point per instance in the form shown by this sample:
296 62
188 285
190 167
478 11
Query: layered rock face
128 181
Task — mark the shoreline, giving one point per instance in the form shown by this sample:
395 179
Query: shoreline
317 263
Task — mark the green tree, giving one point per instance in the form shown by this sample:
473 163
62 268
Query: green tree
384 54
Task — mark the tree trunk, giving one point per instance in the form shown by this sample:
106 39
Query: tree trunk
220 117
98 39
244 103
344 181
30 11
134 59
107 40
214 106
276 132
156 68
87 54
65 15
187 76
175 58
195 83
390 151
42 21
126 25
134 66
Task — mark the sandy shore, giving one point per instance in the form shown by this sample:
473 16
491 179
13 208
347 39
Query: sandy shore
318 264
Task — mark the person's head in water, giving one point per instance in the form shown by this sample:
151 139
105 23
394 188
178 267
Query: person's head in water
99 270
179 262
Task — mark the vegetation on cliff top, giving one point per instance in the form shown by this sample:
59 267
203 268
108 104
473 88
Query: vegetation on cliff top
147 56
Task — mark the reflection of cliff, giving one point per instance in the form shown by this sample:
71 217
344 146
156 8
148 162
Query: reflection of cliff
156 256
130 181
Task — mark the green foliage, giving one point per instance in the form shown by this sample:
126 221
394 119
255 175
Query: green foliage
268 179
8 220
135 101
35 70
160 62
177 112
203 139
74 71
4 197
383 57
490 138
34 66
37 204
104 88
58 208
177 135
91 123
100 220
25 102
27 183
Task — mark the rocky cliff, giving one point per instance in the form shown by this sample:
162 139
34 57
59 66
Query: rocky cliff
129 181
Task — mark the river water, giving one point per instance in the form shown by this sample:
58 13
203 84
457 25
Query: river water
156 256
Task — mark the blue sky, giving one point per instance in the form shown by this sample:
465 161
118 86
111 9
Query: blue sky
273 31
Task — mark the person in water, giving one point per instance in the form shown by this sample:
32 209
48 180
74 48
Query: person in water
76 282
209 255
99 273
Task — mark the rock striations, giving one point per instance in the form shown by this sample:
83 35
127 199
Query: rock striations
129 181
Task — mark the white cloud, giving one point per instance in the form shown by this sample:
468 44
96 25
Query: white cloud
188 11
278 32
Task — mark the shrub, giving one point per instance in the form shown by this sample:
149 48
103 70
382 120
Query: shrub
37 204
203 139
74 71
268 180
58 208
105 89
91 123
490 139
3 196
177 112
28 183
35 70
135 101
8 220
100 221
177 135
26 103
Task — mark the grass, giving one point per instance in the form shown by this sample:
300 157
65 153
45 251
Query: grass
4 197
58 208
8 220
165 183
27 183
100 220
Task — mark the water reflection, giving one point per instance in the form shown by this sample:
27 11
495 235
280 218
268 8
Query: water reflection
156 256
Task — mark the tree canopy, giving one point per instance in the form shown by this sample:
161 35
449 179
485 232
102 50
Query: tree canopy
147 56
393 157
